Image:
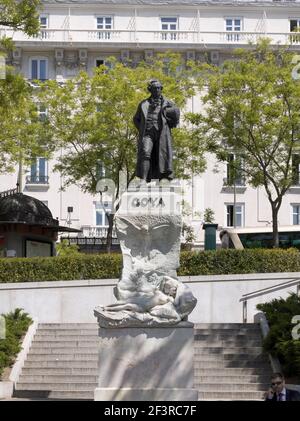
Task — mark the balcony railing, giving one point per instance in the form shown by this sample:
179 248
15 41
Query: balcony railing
148 36
229 182
96 231
9 192
37 179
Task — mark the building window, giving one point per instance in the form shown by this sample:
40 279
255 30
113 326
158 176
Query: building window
44 25
38 172
169 24
296 169
100 169
101 218
296 214
234 174
43 21
104 26
295 27
42 112
100 214
102 62
239 215
233 25
39 69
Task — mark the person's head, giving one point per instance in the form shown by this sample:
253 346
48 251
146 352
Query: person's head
277 382
155 88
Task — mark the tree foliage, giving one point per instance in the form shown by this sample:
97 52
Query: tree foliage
20 15
252 109
22 133
279 341
91 120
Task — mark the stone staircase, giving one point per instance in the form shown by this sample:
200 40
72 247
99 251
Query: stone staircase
62 362
229 363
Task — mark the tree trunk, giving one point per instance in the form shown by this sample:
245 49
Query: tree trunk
110 217
275 226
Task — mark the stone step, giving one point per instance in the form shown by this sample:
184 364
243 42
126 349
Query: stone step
215 364
58 378
231 379
54 395
71 386
239 387
207 340
68 326
224 372
64 344
62 357
228 387
50 371
66 338
225 333
198 357
61 363
64 350
69 332
219 351
227 326
232 396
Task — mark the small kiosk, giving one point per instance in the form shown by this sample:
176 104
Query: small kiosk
27 228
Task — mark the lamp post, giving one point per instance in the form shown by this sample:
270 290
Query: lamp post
69 219
234 202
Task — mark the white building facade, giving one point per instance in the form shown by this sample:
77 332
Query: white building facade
81 34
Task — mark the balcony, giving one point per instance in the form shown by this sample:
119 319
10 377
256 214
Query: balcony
37 183
89 245
93 239
96 231
229 186
82 37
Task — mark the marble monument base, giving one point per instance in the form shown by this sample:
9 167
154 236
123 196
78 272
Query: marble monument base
146 364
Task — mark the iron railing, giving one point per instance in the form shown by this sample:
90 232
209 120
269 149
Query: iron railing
246 297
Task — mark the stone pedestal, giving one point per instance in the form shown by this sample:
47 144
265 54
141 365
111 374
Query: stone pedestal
148 225
146 364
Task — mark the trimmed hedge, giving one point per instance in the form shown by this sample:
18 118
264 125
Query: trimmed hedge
102 266
108 266
224 261
17 324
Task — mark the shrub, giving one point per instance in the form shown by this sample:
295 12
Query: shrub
279 341
65 249
16 324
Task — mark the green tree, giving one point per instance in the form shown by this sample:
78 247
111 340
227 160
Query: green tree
252 109
91 120
23 135
20 15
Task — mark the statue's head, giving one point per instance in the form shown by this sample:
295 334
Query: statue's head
169 286
155 88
